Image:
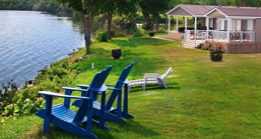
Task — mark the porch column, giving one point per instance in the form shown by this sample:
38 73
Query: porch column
195 29
185 24
207 25
177 23
228 30
169 23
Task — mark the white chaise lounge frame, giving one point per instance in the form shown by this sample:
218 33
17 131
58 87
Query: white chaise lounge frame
152 78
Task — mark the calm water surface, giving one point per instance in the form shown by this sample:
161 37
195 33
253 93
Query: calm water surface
31 40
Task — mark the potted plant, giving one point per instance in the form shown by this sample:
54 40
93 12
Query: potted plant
116 53
216 53
152 34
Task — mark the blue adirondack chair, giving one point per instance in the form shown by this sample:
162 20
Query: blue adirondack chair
61 116
111 113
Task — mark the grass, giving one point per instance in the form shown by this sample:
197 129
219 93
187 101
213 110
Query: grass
204 99
161 34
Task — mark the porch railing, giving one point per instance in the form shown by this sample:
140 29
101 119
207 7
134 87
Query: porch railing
242 36
234 36
215 35
219 36
190 35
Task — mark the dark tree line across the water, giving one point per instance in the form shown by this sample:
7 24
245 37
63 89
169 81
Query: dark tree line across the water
36 5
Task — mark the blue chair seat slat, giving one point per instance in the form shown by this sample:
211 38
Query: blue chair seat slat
65 114
97 105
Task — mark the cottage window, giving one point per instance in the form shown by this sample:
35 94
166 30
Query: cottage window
237 25
250 24
223 24
243 25
211 23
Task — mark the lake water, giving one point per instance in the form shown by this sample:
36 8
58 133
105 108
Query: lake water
31 40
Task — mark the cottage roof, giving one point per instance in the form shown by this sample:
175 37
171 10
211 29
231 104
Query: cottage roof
197 9
240 11
204 10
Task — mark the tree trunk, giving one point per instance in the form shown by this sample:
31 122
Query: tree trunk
147 19
84 31
88 32
167 20
109 18
87 25
155 23
87 20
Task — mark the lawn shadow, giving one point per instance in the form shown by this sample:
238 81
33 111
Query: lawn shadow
134 42
154 87
135 127
138 128
56 132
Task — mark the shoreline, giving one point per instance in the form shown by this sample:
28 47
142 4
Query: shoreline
45 68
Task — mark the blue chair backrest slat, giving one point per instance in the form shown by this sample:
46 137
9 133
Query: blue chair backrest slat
124 75
111 100
98 81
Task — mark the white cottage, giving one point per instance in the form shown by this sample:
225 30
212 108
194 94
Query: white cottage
238 28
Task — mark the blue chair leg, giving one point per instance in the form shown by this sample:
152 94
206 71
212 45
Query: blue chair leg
118 111
47 119
125 113
102 116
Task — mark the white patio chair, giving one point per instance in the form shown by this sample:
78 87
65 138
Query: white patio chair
152 78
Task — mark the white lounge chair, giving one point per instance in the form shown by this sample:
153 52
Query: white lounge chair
152 78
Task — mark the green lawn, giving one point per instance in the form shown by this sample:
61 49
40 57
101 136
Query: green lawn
204 99
161 34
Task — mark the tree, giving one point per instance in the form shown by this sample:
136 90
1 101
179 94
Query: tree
145 12
87 9
107 8
120 7
154 8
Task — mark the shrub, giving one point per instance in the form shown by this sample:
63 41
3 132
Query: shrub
212 46
8 94
120 34
9 109
22 107
102 36
138 33
207 45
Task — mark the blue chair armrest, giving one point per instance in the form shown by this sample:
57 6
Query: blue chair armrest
74 89
83 86
46 93
109 85
114 89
